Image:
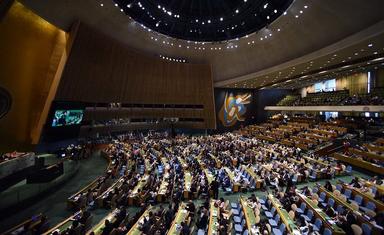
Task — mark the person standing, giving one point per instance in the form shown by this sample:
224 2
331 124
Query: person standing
215 189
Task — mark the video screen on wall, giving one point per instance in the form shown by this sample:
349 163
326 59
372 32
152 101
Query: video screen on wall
67 117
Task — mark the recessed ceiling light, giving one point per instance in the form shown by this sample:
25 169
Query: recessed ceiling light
370 45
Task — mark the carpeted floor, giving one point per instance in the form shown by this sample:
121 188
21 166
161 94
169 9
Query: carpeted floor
54 204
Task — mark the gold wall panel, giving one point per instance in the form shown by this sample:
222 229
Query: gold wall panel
103 70
30 53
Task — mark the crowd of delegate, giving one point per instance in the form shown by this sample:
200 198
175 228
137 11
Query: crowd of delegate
154 169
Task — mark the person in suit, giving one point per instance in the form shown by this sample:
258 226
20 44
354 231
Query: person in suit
108 227
203 220
215 188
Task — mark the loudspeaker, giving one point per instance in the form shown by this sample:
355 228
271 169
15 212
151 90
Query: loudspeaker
5 102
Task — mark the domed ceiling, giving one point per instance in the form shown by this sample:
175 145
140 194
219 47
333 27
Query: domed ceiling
204 20
300 38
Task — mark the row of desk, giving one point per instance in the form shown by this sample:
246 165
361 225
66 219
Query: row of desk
366 197
250 216
235 185
290 223
338 171
117 184
360 163
257 180
375 148
380 188
368 155
61 227
181 216
71 201
162 193
214 215
327 221
360 217
135 196
135 229
187 184
98 228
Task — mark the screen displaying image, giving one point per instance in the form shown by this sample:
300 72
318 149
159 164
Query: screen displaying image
67 117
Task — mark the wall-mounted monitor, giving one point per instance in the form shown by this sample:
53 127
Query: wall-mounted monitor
64 121
67 117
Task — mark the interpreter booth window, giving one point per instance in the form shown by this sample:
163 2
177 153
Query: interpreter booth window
326 86
329 115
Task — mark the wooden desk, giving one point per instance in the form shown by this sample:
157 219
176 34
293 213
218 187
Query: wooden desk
302 146
287 142
209 175
36 220
218 163
133 197
359 163
362 219
319 174
161 194
98 228
338 171
316 161
231 175
187 184
214 214
290 224
266 138
304 140
62 226
328 221
135 230
183 163
249 215
323 132
367 154
165 162
366 197
257 180
380 141
117 184
71 201
181 216
380 188
315 136
375 148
